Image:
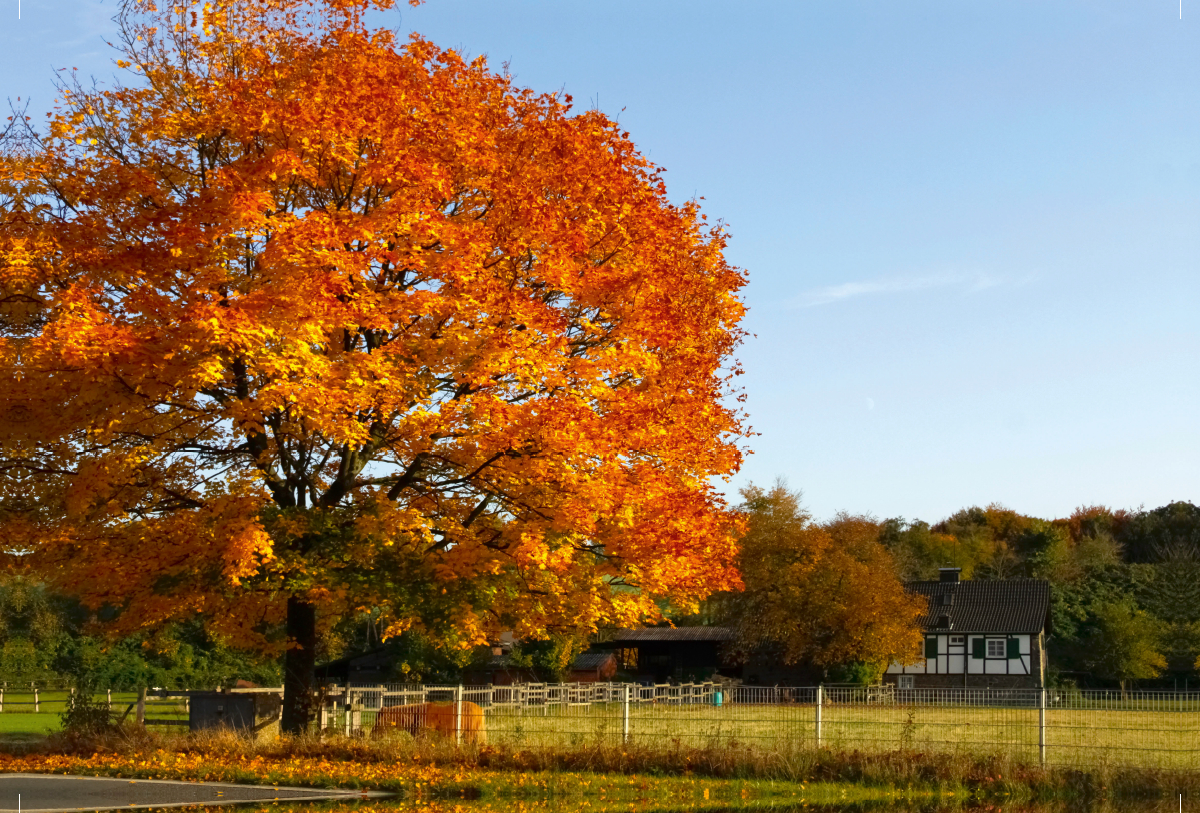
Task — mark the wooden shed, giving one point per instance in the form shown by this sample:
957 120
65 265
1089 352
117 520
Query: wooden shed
662 654
594 667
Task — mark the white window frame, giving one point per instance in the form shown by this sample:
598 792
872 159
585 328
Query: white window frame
905 682
1001 648
958 640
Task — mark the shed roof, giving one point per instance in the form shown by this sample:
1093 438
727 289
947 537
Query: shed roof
1020 606
674 634
591 660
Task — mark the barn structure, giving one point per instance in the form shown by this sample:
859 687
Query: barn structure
662 654
979 634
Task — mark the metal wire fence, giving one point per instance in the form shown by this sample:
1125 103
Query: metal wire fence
1082 727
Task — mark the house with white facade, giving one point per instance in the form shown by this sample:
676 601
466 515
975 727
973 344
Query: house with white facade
979 634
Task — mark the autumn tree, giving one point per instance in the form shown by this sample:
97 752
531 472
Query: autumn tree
918 550
316 321
820 594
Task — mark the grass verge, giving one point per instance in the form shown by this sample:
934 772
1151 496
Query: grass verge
434 768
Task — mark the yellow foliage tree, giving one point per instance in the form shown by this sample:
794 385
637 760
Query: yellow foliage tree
311 320
820 594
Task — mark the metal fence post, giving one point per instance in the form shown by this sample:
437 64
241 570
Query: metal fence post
625 718
1042 727
458 703
820 698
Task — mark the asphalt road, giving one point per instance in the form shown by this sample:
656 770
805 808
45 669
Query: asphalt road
44 794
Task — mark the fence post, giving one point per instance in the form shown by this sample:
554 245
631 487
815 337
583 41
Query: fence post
1042 727
458 700
141 706
625 717
37 706
820 698
108 694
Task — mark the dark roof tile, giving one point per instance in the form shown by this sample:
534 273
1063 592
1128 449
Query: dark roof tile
1009 605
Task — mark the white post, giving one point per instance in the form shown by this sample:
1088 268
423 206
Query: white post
1042 726
108 694
625 717
458 701
349 713
820 698
37 706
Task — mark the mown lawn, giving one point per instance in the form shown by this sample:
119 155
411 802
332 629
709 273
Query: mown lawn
28 724
18 719
1159 739
1139 738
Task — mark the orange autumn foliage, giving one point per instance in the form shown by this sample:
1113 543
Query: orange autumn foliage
309 315
820 594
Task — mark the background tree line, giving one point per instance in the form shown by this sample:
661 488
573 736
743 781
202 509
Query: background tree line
829 595
1125 597
48 638
1125 586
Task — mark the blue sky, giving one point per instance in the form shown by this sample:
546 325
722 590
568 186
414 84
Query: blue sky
972 228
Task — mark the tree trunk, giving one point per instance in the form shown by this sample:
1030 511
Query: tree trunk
299 665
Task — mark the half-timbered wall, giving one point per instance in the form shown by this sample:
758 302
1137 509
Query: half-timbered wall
979 654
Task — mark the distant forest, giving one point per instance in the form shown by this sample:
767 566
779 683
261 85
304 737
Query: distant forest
1125 584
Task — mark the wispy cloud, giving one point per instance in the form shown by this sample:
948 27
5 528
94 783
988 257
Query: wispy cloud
976 281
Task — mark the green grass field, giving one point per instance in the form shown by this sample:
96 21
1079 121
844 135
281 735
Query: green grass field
1158 739
19 721
23 726
1155 738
